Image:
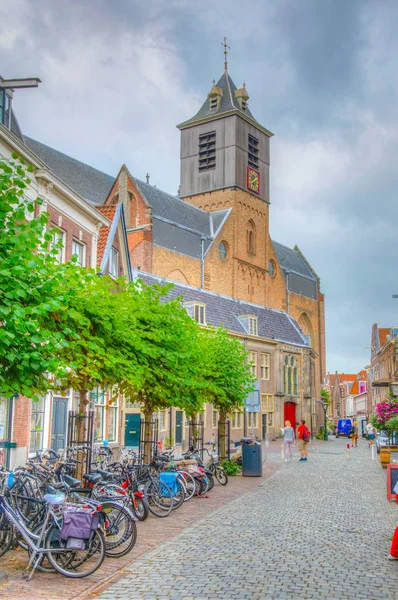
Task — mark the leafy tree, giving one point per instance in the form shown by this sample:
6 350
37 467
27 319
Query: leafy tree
30 288
168 352
228 374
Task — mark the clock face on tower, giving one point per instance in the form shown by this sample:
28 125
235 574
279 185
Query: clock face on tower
253 180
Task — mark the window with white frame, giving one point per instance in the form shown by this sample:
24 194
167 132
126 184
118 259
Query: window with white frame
200 313
162 420
252 419
114 263
253 361
57 245
214 419
97 403
37 425
78 250
253 326
265 365
267 403
236 420
112 417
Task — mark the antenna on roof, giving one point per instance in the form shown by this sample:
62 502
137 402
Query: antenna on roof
147 177
7 87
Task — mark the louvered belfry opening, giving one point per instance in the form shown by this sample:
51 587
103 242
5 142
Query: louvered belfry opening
207 151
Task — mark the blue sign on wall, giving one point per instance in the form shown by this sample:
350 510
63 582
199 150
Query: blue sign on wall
253 402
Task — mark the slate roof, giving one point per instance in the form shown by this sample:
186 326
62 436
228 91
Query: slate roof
228 103
224 311
290 260
174 209
93 185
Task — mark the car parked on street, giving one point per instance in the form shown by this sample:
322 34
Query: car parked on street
344 427
381 440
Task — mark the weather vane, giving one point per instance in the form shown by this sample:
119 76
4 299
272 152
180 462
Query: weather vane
226 48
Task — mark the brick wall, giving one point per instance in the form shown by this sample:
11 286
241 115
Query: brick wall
72 231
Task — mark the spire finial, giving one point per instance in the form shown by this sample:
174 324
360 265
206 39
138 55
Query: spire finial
226 48
147 177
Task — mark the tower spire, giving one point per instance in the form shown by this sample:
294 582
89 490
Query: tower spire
226 48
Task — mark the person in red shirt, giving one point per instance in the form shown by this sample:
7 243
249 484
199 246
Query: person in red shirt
303 439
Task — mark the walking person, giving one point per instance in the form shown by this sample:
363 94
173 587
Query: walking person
354 434
370 431
288 440
303 439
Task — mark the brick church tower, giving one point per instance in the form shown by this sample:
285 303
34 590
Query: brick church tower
225 159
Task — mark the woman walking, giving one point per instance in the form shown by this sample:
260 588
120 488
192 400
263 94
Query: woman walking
288 440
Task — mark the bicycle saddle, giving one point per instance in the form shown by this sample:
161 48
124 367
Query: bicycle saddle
71 481
92 477
104 474
58 498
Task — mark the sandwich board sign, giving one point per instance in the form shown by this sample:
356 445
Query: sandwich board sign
252 402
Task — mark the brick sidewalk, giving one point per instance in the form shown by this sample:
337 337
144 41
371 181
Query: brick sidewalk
151 533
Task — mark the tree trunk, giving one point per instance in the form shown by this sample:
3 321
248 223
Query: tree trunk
81 431
148 435
222 435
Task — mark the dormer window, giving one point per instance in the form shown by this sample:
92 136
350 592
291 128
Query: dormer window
197 311
250 324
215 96
243 105
207 151
242 97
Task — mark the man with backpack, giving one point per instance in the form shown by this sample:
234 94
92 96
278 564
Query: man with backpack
304 437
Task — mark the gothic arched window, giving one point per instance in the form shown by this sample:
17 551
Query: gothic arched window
290 376
251 237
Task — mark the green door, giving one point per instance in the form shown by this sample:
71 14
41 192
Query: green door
178 426
132 426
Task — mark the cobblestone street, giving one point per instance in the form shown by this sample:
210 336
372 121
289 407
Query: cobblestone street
316 529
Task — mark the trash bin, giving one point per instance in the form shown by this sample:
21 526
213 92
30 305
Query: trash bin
252 463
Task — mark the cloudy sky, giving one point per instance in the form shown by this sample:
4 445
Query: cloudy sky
322 75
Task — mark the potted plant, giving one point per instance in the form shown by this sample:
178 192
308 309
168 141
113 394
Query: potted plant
387 419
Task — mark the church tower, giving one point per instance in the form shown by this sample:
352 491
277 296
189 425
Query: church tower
223 146
225 159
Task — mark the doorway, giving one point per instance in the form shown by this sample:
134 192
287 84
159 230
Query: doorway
59 422
132 425
178 426
290 414
264 425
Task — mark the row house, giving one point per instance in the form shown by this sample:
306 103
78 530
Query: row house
97 237
383 367
344 389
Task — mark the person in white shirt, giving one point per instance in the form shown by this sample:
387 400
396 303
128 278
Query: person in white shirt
370 434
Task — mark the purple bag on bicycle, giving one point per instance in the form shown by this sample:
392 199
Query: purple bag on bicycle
77 528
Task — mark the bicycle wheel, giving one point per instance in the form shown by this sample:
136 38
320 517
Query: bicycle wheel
6 534
210 479
120 530
159 497
140 508
75 563
179 494
221 476
189 485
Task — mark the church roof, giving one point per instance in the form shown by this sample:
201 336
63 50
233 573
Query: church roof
223 311
228 105
93 185
291 260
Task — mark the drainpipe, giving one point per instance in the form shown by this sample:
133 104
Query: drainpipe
202 242
9 430
244 412
287 292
